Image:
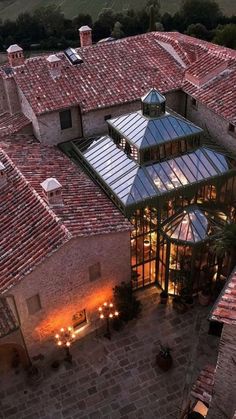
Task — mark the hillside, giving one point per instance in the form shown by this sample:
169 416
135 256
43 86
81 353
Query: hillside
9 9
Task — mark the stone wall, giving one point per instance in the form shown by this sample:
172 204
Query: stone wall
28 111
9 100
64 286
50 129
223 404
94 122
212 123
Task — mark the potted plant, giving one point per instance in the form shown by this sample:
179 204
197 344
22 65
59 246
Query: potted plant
187 298
179 305
164 359
55 364
164 297
204 296
195 415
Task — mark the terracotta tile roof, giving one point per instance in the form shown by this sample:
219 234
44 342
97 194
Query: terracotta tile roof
224 310
86 210
10 124
30 231
111 73
202 389
123 70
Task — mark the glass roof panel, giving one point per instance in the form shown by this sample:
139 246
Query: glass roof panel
191 225
218 159
153 97
143 131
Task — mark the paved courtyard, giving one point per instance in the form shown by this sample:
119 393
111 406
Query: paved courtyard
119 378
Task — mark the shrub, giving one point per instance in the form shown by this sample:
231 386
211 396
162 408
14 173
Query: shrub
125 302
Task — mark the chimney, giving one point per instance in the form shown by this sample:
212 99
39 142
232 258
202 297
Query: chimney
15 55
53 192
3 175
54 64
85 34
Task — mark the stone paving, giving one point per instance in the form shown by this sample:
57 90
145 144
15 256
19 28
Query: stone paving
119 378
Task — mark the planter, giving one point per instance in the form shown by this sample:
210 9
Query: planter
163 297
189 302
164 363
179 306
195 415
55 365
204 298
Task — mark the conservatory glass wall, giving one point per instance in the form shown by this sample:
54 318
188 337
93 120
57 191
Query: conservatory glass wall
176 188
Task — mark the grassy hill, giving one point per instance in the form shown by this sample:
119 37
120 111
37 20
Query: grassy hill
9 9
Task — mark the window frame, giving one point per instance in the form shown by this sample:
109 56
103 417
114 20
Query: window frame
67 123
29 307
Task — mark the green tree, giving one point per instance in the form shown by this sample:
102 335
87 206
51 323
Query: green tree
155 4
225 245
52 20
226 36
206 12
152 25
198 31
117 31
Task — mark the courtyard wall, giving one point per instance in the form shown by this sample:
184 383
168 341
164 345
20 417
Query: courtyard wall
65 287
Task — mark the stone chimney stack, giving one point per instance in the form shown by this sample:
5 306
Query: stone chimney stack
53 192
15 55
85 33
54 64
3 175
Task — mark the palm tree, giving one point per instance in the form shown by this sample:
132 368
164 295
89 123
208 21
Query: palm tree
225 245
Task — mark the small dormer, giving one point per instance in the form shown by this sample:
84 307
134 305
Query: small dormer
15 55
54 64
52 191
3 175
153 104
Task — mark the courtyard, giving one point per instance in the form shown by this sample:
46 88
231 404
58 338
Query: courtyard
119 378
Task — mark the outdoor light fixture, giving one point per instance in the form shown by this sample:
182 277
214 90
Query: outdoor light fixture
107 312
64 339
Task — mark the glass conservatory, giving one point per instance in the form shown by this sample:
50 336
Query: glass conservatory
176 189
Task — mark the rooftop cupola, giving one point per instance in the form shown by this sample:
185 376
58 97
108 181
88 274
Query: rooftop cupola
3 175
153 104
54 64
85 33
52 191
15 55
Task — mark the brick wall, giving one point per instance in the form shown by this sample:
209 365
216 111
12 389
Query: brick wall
63 284
211 122
223 404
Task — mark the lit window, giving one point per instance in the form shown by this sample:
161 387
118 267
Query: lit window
33 304
95 272
79 319
65 119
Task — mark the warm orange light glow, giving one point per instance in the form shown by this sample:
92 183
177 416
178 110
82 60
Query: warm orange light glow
111 305
62 329
69 328
57 336
67 343
101 316
99 308
111 315
105 304
59 343
73 336
116 313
